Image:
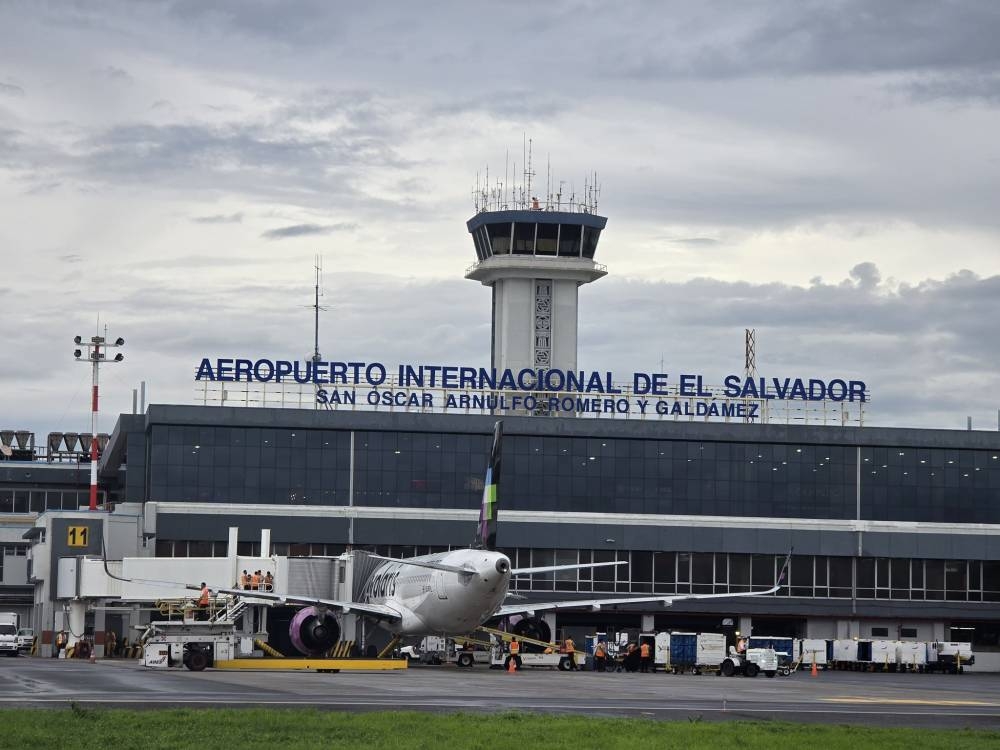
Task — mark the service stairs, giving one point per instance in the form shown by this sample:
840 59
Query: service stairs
230 613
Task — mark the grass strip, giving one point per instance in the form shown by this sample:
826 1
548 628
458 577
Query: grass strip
79 728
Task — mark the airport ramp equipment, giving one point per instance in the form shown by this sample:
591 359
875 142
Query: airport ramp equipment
683 651
883 655
911 655
813 651
783 647
711 650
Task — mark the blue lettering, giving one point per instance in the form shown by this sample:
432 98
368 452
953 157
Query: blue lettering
259 366
205 370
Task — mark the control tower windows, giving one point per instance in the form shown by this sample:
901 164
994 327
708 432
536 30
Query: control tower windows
569 240
482 245
524 239
548 238
590 238
500 237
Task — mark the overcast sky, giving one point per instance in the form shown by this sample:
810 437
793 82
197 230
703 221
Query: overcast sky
825 172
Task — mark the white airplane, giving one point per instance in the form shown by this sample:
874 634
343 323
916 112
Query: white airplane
448 593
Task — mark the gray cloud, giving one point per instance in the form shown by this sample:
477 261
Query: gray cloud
11 89
983 88
695 241
113 73
235 218
802 38
306 230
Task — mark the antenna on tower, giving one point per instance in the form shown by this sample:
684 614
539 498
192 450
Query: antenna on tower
318 265
750 359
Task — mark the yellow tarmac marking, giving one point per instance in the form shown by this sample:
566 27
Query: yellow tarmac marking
906 701
371 665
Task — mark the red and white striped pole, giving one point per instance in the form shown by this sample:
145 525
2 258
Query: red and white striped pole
96 356
96 353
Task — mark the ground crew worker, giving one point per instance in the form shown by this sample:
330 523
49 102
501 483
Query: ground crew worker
570 649
255 580
244 580
515 652
645 657
204 598
268 581
60 642
110 642
600 657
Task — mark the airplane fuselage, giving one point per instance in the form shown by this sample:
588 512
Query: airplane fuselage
441 601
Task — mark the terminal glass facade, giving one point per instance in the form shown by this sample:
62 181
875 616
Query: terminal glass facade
561 473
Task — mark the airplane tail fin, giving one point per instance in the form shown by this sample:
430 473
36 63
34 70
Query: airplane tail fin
486 534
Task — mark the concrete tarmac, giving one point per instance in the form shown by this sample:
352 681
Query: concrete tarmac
920 700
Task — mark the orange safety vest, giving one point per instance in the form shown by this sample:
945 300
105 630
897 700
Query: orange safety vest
599 652
255 581
515 647
570 647
644 651
203 599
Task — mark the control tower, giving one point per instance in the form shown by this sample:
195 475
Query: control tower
535 254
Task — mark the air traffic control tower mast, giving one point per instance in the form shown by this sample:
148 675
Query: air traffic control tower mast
535 254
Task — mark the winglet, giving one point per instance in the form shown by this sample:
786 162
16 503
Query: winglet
486 533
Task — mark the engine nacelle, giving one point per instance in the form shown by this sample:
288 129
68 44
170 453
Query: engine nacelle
314 631
533 627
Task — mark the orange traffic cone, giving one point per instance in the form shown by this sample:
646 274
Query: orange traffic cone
813 672
511 665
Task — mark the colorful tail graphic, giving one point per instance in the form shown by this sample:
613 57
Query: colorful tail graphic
486 534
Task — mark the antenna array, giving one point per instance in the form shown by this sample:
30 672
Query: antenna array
514 194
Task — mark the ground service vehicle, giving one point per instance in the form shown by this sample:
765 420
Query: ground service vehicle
750 663
25 638
8 633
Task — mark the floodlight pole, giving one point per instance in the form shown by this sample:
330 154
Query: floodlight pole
96 357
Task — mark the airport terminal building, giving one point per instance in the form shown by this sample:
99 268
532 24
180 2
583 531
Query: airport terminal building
896 532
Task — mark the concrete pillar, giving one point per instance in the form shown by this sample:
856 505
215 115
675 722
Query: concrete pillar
76 621
265 542
100 628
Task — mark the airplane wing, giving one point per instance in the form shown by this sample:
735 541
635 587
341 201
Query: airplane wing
549 568
378 611
666 601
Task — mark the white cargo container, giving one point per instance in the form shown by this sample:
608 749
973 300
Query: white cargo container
711 649
883 655
911 655
661 651
845 650
812 651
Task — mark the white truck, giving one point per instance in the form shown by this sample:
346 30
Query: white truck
25 638
8 633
